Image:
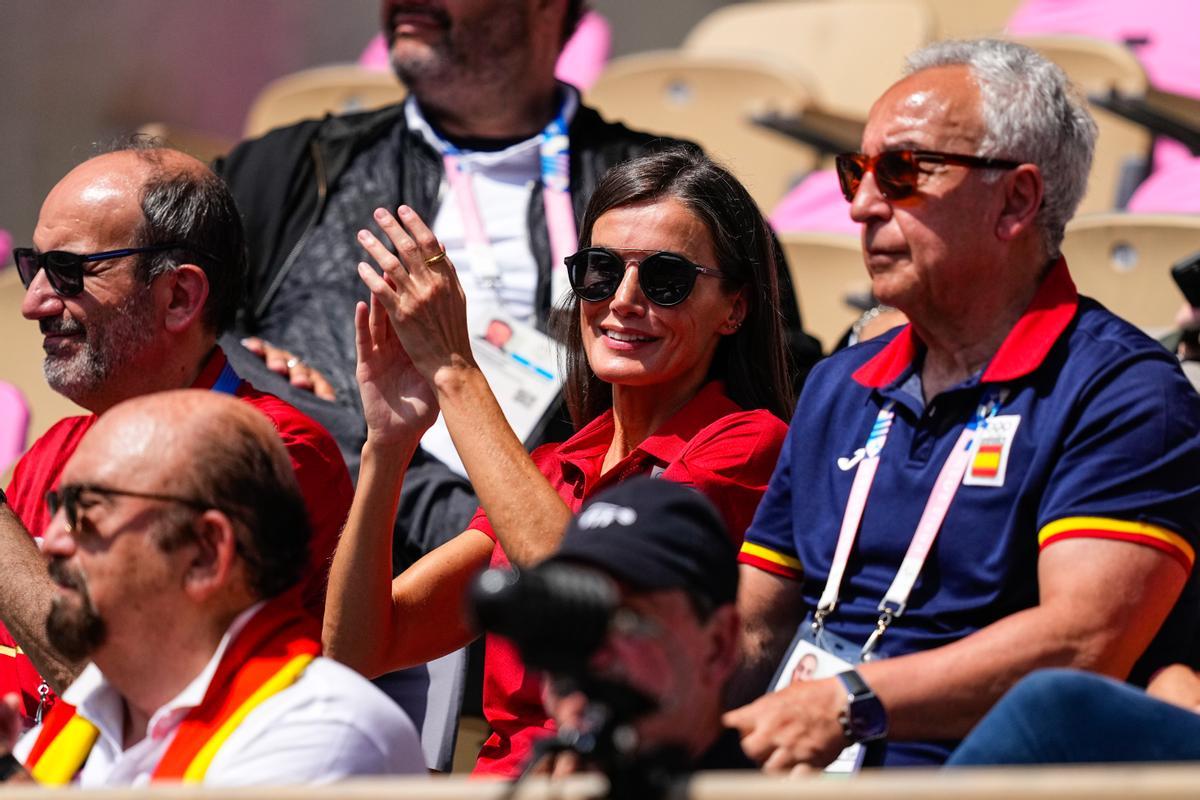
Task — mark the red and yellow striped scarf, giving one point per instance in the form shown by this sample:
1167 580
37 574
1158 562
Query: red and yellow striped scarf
267 656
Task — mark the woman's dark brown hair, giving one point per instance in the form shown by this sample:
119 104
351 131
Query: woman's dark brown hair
752 362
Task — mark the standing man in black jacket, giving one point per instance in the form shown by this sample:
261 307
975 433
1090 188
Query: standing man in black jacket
494 153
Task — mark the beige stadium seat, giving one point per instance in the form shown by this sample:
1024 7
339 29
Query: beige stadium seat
710 101
204 146
825 269
848 51
968 19
315 92
21 361
1097 67
1124 261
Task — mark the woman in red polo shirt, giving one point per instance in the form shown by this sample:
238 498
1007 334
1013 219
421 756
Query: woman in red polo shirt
675 367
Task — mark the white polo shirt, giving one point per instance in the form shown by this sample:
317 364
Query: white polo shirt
332 723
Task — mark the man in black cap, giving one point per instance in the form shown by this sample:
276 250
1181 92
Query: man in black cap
676 567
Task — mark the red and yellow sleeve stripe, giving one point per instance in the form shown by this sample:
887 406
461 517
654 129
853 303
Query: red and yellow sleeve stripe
770 560
1143 533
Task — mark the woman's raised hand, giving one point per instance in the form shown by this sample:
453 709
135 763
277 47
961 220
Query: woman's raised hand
421 294
398 403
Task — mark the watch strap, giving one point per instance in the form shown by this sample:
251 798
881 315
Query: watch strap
854 683
864 718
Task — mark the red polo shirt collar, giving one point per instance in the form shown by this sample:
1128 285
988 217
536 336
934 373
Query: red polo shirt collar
1022 351
585 451
211 370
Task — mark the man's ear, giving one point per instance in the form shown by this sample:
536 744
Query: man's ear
1022 202
186 287
724 638
212 566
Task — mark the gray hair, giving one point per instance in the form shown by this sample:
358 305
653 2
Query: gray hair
190 205
1033 114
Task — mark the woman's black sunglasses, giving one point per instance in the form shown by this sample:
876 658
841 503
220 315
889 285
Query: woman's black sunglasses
665 278
65 270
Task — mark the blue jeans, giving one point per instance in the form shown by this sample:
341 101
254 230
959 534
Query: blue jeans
1068 717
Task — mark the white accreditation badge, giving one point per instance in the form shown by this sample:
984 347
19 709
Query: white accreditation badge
807 660
521 366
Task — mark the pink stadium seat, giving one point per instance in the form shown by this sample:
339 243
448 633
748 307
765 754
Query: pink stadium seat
1162 33
1165 30
814 204
586 52
1173 189
5 248
14 424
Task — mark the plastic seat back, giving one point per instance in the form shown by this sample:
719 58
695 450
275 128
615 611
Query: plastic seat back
826 268
312 93
711 101
1124 261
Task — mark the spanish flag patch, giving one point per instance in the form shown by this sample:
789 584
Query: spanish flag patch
989 453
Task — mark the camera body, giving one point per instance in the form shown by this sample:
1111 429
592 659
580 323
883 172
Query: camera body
1187 277
558 615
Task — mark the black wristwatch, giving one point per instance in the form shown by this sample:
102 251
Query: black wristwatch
864 719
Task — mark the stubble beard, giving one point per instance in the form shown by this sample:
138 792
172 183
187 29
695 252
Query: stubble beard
75 631
108 345
465 58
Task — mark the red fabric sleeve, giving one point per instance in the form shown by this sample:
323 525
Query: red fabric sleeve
39 469
36 473
730 462
324 483
546 463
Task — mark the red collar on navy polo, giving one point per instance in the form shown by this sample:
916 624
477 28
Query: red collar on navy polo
1022 351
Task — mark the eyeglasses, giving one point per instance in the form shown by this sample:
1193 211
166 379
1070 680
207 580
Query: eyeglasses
665 278
67 498
65 270
897 171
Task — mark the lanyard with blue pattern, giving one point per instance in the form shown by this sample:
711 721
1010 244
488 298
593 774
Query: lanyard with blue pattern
555 166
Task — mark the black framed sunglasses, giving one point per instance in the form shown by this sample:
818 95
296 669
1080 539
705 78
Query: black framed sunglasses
65 270
67 498
898 171
665 278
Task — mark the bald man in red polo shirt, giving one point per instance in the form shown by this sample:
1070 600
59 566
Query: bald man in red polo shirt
138 265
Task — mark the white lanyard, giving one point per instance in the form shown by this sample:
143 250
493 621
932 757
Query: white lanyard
936 507
555 164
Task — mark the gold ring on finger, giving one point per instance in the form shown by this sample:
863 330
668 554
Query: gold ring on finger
441 256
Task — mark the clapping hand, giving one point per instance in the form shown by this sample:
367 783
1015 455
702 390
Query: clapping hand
398 403
421 293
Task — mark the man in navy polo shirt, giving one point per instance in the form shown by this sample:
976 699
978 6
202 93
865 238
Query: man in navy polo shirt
1008 483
